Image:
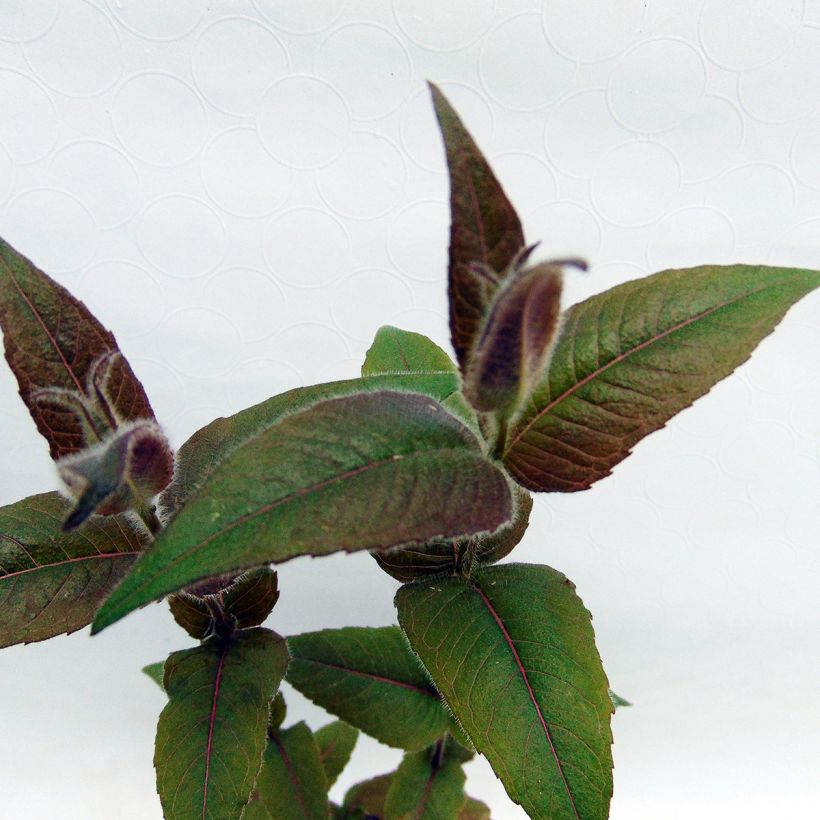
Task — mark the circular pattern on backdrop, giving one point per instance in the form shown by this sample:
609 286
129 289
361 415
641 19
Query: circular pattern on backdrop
80 55
743 34
250 298
654 85
686 237
446 29
102 177
568 27
23 21
241 176
580 130
28 127
139 306
64 219
7 174
707 140
347 59
146 100
519 68
303 122
367 299
568 229
527 180
366 181
804 154
158 19
306 248
234 61
200 342
786 88
635 184
304 17
739 193
181 236
417 240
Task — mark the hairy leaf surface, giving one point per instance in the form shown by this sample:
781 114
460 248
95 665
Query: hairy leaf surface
513 653
68 366
212 732
292 783
368 471
401 351
336 742
369 677
428 785
211 445
52 581
632 357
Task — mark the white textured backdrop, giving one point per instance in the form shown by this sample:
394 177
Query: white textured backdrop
245 191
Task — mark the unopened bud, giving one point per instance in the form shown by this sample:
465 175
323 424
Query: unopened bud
118 474
514 346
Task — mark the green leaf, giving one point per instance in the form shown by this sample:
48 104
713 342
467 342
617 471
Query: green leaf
52 582
212 444
617 700
72 377
428 785
336 742
484 227
523 676
291 783
632 357
368 796
368 471
278 711
474 810
212 733
400 351
369 678
156 671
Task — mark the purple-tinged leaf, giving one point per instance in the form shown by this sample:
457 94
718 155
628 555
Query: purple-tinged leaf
454 555
484 228
292 784
367 797
632 357
72 377
513 653
369 678
212 444
368 471
212 732
51 582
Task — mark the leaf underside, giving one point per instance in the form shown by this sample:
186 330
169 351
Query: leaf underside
292 783
368 471
52 341
484 227
513 653
632 357
212 732
52 582
369 677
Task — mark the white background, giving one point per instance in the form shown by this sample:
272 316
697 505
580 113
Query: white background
245 191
